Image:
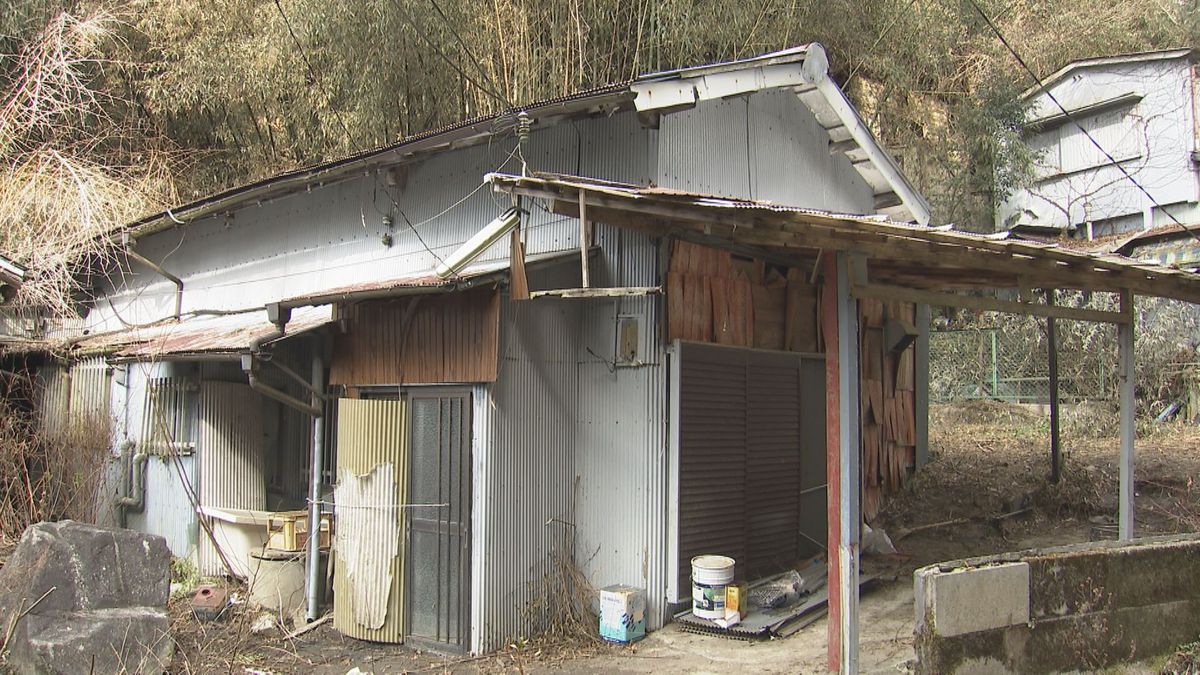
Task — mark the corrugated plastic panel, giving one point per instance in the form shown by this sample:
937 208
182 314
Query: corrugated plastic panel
90 386
372 433
231 456
523 518
56 397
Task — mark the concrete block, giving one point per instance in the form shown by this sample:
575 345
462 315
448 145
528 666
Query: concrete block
975 599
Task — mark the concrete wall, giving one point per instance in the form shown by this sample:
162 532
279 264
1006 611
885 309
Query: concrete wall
1080 607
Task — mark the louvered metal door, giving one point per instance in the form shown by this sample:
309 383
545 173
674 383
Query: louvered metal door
740 457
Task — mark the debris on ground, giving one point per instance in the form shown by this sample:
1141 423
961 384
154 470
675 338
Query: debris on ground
80 598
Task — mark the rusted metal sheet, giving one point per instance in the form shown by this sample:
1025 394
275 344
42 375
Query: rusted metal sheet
231 458
199 335
420 340
372 447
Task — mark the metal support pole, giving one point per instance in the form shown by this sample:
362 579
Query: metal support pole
840 328
1052 363
1126 363
995 369
851 520
313 560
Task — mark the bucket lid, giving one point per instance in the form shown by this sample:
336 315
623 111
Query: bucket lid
712 562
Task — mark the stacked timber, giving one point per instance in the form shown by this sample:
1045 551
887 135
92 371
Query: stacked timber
888 405
716 297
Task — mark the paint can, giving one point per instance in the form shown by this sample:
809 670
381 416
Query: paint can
710 575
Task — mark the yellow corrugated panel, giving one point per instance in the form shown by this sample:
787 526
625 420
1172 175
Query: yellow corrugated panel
372 444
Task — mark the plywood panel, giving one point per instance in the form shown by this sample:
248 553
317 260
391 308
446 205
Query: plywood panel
420 340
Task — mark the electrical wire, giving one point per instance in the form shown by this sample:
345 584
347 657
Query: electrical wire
1071 118
312 72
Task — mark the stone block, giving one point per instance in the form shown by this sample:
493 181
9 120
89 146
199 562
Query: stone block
975 599
124 640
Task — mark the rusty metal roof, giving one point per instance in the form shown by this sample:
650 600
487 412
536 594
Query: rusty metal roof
901 254
197 335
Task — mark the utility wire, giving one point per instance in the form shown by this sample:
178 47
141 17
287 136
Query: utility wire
437 50
1041 85
470 55
312 72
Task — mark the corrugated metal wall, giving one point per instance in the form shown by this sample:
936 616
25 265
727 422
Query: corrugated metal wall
55 397
231 456
372 433
91 380
168 512
523 511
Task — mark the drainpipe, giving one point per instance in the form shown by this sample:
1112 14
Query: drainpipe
313 561
129 243
134 498
278 316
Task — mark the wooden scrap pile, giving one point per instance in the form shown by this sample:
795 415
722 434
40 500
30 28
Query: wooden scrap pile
716 297
888 405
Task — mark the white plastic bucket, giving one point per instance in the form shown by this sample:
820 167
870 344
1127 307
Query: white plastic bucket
710 575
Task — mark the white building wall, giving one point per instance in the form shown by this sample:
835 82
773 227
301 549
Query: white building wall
1152 139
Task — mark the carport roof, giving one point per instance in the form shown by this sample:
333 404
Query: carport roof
899 255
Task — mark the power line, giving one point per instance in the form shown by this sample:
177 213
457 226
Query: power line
312 72
437 50
470 55
1042 86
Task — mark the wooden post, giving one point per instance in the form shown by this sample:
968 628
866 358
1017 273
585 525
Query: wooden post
839 324
585 236
921 397
1052 363
1125 360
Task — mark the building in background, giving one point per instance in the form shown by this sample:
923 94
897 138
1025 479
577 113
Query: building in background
1141 110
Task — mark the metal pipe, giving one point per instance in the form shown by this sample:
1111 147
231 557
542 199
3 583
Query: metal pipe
129 243
134 498
313 570
273 393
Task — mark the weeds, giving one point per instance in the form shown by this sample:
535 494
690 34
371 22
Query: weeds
50 475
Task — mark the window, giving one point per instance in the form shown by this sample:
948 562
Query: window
169 421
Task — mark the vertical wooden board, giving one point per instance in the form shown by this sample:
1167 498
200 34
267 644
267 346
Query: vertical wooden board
705 309
745 313
675 306
904 370
769 306
724 324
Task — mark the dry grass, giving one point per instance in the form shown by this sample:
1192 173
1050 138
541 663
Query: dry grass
47 475
68 178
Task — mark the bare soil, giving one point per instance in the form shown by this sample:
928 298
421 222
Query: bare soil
986 490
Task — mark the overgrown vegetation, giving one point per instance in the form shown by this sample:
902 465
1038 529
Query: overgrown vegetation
49 474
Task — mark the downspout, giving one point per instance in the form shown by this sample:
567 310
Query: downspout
313 560
134 497
816 70
129 243
278 316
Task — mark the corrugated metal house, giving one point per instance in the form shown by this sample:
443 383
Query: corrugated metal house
1142 111
469 441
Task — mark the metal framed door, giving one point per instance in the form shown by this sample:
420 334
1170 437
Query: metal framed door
439 516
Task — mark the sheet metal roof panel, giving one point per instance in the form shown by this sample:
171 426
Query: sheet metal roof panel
228 334
1136 57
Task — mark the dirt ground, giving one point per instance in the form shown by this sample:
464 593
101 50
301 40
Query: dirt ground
985 491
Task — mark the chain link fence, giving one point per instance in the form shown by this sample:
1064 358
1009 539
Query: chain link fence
1012 364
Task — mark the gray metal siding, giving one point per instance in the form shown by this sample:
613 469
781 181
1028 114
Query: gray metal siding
764 146
523 511
331 236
